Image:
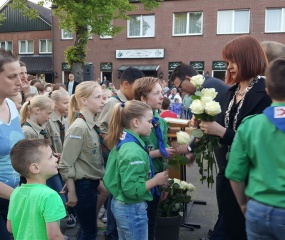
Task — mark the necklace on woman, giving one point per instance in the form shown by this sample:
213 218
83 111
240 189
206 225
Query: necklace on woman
238 93
227 115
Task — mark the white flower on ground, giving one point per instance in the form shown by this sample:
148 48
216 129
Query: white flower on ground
212 108
209 92
183 138
197 107
197 80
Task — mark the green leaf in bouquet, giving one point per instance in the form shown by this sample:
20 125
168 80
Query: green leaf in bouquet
198 93
194 97
170 181
176 186
198 133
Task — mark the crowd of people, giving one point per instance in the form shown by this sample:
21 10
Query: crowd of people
68 149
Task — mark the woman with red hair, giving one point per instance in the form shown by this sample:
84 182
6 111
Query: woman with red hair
246 61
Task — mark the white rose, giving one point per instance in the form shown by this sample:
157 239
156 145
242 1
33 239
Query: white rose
183 138
204 100
190 187
212 108
197 107
176 180
209 92
197 80
183 185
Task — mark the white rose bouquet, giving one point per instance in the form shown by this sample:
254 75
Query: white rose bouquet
178 194
205 108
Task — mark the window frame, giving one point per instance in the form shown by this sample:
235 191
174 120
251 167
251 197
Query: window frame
46 46
282 30
6 44
62 35
140 36
233 22
187 24
26 43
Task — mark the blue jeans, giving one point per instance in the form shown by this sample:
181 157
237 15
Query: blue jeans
131 220
4 234
264 221
86 191
55 183
111 230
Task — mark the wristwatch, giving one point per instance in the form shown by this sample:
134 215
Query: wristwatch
189 149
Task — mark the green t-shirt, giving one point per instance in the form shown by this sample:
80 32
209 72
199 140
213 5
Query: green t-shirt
31 207
152 144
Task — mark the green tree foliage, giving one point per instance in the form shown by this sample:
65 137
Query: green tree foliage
84 16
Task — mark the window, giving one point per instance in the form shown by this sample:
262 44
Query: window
45 46
66 35
233 21
7 45
275 20
141 26
26 46
190 23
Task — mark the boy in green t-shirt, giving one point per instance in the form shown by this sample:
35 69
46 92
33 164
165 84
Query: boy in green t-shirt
35 209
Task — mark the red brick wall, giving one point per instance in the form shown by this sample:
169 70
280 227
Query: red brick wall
206 47
33 35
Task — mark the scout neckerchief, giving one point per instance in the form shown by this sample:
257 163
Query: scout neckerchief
127 137
62 130
104 149
158 133
276 115
42 132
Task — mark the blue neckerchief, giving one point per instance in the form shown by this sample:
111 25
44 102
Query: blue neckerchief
127 137
276 115
158 133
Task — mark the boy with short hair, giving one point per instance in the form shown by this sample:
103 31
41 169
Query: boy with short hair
35 209
257 157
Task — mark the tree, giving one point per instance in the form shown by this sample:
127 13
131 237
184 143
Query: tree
87 16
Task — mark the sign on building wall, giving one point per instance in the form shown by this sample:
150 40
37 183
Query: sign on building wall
173 65
219 65
65 67
198 65
140 53
106 67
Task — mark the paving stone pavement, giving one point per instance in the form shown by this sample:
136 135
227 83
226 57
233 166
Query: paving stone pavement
205 215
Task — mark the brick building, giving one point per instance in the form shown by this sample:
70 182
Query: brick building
189 31
31 39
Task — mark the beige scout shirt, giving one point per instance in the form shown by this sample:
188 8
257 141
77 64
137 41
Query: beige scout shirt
104 117
81 156
33 131
53 130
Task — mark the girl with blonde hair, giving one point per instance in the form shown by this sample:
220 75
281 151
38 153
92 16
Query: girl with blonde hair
81 163
129 175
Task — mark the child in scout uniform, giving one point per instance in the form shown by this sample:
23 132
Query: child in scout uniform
258 159
81 163
148 90
129 175
56 127
125 94
34 114
34 210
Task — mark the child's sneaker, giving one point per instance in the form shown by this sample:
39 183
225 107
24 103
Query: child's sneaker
71 221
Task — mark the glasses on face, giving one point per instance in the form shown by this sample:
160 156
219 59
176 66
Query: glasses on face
179 88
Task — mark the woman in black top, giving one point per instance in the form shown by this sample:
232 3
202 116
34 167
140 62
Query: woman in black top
246 60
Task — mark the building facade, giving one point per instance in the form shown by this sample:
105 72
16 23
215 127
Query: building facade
189 31
31 39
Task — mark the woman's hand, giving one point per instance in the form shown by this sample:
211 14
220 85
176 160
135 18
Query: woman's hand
212 128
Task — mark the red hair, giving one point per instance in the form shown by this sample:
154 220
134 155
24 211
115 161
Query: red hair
249 56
